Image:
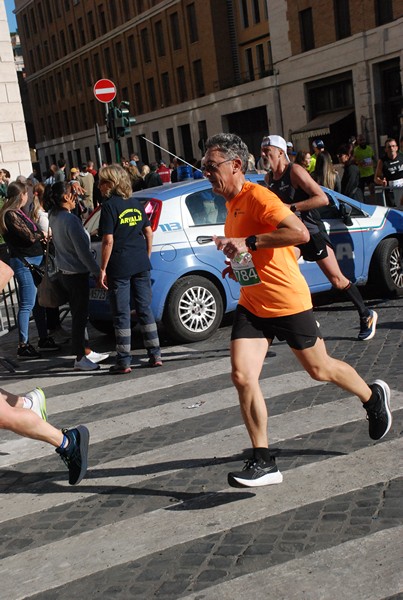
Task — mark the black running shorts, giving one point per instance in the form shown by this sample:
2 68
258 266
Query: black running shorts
316 248
300 331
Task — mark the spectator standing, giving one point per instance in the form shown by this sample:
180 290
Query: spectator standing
389 172
50 179
125 266
296 188
277 305
290 151
60 174
24 240
303 158
86 180
350 181
152 179
318 147
364 157
164 172
325 174
3 185
75 262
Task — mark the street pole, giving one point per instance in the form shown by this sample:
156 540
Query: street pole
98 147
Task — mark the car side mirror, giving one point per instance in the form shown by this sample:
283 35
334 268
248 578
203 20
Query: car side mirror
345 214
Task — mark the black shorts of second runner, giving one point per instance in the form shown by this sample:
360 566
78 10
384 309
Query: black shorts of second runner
300 331
316 248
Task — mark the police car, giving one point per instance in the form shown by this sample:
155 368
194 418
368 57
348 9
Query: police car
189 294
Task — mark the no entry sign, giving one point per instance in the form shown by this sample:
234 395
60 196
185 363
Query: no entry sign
105 90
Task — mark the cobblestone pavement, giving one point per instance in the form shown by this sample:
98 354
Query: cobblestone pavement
155 517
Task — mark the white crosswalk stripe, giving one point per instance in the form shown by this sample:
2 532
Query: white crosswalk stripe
66 560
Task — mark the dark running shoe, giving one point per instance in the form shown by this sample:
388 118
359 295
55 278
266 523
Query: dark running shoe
47 344
255 473
27 352
368 326
378 410
155 361
119 370
75 456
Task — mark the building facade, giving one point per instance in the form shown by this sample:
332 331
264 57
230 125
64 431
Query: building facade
14 149
192 68
340 69
188 69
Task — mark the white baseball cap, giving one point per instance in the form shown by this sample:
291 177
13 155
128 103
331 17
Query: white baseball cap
277 141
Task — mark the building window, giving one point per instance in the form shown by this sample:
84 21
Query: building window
102 19
383 12
48 10
67 5
39 56
37 95
175 32
138 97
120 58
113 13
249 64
33 21
330 94
183 94
156 140
68 80
192 23
40 13
159 38
77 77
91 24
244 13
54 48
63 42
60 85
83 113
306 30
52 88
256 11
166 89
198 77
342 18
260 60
108 62
132 51
25 25
72 37
87 70
81 31
171 140
45 91
152 99
97 66
145 45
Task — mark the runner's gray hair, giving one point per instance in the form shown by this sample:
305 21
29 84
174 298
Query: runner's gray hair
230 146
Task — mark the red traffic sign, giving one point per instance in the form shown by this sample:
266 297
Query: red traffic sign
105 90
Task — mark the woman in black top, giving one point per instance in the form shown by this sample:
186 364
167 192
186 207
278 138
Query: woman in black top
351 174
24 240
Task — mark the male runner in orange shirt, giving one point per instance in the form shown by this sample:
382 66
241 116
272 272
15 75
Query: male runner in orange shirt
274 302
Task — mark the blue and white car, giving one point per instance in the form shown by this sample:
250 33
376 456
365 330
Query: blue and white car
189 294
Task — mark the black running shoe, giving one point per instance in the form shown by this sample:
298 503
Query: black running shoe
27 352
75 456
255 473
378 410
368 326
47 344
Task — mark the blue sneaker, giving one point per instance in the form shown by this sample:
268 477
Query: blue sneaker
75 456
368 326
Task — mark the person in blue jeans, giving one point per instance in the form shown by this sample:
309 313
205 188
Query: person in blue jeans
125 266
24 240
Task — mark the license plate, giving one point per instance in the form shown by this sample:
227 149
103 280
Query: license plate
98 294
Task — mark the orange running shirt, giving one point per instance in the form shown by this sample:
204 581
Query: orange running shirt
283 290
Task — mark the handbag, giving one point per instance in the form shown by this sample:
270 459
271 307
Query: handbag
50 293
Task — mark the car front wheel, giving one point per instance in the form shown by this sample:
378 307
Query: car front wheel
194 309
387 270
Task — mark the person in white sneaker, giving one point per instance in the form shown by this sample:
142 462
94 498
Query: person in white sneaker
26 416
275 302
75 262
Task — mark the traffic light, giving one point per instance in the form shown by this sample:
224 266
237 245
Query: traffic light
123 120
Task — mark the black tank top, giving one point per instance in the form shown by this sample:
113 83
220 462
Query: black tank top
284 189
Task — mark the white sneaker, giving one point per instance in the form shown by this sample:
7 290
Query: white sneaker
38 400
97 357
85 365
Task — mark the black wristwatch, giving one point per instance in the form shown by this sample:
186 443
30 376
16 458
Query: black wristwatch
293 208
250 243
